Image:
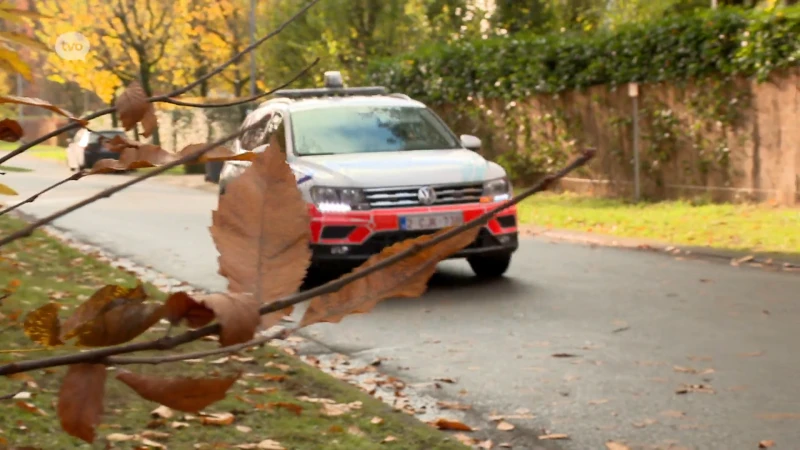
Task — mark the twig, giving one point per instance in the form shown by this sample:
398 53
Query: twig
245 100
119 361
106 193
159 98
10 396
32 198
333 286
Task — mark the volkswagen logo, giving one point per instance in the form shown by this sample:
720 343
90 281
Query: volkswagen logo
426 195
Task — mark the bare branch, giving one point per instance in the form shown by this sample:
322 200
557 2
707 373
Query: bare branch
106 193
32 198
118 361
94 356
160 98
245 100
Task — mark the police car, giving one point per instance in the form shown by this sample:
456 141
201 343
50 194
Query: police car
377 168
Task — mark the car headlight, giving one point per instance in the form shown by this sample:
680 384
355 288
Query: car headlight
496 190
330 199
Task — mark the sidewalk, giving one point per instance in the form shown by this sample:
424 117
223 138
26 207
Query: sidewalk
788 262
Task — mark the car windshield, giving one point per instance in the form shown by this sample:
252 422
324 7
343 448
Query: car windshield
363 129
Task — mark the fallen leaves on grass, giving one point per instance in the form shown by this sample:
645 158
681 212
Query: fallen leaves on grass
30 407
292 407
337 409
218 419
389 438
183 394
80 400
406 278
452 425
261 229
10 130
236 313
376 420
267 444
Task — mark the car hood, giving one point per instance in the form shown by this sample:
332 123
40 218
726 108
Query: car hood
404 168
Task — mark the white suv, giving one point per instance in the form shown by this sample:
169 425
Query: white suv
378 168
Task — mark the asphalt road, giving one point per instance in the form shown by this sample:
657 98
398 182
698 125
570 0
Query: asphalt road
636 327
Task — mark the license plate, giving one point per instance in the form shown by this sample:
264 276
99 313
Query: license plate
431 221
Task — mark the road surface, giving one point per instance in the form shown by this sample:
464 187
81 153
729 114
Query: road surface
632 328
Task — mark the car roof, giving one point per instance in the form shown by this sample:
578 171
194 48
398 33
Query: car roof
333 102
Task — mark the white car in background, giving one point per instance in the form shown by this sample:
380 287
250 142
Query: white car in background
378 168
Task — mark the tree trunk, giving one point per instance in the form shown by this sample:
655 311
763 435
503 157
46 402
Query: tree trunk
144 73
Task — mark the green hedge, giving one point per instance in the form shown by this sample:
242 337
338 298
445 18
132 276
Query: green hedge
726 41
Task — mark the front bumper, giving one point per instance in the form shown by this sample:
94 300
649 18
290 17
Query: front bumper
357 235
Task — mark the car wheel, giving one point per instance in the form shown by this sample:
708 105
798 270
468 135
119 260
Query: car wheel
490 266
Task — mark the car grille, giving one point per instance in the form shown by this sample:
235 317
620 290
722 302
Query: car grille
401 197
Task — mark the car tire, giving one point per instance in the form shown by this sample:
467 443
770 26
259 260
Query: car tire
490 266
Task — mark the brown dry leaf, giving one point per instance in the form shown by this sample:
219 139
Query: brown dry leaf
293 407
39 103
103 300
612 445
487 444
337 409
42 325
389 438
504 426
10 130
80 400
554 436
447 424
133 107
120 437
687 388
183 394
218 419
269 444
766 444
355 431
215 154
243 429
464 439
406 278
261 229
453 405
113 320
236 313
376 420
162 411
31 408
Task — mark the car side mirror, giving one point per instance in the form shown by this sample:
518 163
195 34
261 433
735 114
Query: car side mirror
470 142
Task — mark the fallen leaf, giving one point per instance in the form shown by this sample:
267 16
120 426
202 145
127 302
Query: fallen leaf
407 278
151 443
453 405
564 355
42 325
37 102
183 394
10 130
293 407
389 438
488 444
80 400
237 313
687 388
504 426
162 411
261 229
337 409
612 445
120 437
464 439
178 425
218 419
766 444
355 431
684 369
673 413
376 420
644 423
133 107
446 424
555 436
243 429
445 380
31 408
112 315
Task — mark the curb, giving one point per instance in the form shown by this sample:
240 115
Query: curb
787 263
